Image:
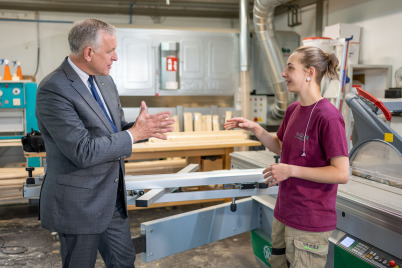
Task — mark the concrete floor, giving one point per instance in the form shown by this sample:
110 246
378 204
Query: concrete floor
25 244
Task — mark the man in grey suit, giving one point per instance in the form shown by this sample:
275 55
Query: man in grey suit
86 139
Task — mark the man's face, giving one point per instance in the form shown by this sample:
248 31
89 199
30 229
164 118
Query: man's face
103 56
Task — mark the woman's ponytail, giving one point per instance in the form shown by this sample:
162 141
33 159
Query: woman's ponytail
332 65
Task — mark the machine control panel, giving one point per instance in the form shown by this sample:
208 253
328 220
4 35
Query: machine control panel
12 95
258 109
369 253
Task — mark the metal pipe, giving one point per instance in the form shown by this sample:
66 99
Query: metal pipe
264 29
244 36
319 14
244 58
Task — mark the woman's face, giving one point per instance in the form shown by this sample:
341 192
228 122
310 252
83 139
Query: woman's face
295 74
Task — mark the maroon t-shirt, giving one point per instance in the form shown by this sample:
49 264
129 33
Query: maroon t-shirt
302 204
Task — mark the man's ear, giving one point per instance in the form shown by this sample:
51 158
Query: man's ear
88 51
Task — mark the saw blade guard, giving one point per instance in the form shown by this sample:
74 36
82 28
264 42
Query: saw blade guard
378 161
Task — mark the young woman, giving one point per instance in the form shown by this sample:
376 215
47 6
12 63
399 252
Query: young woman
314 159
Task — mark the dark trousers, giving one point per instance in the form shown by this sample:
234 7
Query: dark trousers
114 244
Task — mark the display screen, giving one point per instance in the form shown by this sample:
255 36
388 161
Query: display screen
347 242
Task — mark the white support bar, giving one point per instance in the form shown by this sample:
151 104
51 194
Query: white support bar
194 179
213 194
189 168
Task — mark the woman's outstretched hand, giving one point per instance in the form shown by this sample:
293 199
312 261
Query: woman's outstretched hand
239 122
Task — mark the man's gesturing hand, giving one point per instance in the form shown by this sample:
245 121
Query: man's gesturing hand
151 125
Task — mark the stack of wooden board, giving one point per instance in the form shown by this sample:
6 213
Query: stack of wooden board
220 136
11 182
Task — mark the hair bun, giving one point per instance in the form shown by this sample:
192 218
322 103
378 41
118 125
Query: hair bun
332 65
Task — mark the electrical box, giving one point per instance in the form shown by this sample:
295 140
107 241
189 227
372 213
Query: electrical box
258 109
174 62
169 69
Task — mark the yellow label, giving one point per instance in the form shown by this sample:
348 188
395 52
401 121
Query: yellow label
389 137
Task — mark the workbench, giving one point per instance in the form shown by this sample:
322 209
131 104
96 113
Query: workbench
192 145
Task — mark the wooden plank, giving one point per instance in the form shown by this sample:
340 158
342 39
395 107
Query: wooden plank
176 125
11 143
188 122
10 173
215 123
197 122
191 145
12 182
11 193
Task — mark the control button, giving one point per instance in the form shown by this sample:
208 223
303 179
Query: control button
376 258
368 256
16 91
16 102
384 262
392 263
116 180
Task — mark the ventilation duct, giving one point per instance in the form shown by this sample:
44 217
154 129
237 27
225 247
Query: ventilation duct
264 29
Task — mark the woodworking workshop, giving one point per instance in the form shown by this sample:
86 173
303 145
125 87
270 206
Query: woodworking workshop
195 133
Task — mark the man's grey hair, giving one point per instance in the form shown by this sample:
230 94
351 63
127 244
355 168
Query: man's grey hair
86 33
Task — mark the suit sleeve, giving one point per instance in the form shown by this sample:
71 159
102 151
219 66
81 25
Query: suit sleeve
73 128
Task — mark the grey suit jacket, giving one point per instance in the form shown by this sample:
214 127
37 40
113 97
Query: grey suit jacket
78 195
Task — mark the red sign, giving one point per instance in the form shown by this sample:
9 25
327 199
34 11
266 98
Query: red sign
171 64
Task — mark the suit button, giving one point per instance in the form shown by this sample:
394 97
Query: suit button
116 180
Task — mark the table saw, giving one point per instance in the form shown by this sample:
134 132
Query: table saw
369 206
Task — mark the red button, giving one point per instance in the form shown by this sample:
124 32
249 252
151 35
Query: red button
392 263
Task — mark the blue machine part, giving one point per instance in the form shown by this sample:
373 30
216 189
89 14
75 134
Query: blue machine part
17 107
17 112
30 97
12 95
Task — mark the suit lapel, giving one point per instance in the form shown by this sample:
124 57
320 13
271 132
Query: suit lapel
81 88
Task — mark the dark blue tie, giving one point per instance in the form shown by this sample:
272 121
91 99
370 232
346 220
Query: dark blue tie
98 99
